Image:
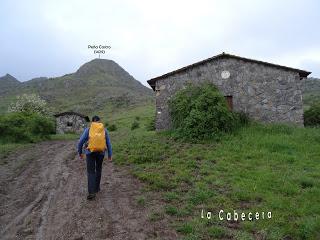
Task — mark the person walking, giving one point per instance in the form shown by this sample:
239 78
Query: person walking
96 140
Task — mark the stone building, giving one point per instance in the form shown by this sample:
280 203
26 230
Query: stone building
264 91
71 122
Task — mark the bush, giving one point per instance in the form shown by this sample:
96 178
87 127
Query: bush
135 125
242 118
112 128
312 115
25 127
201 112
29 103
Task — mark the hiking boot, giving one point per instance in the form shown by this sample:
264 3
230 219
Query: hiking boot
91 196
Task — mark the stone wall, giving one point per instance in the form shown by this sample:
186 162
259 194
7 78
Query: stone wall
265 93
70 124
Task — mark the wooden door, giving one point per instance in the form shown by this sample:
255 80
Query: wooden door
229 102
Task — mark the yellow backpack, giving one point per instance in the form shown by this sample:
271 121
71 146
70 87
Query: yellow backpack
97 137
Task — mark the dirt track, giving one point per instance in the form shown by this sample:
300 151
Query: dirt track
45 198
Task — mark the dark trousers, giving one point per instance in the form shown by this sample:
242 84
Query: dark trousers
94 167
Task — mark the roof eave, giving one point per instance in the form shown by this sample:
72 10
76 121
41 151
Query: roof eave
152 81
304 74
72 113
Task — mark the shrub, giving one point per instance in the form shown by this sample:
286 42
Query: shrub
112 128
135 125
312 115
25 127
242 118
201 112
29 103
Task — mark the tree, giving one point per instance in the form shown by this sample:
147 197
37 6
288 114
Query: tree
29 103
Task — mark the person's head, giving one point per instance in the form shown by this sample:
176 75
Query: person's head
95 119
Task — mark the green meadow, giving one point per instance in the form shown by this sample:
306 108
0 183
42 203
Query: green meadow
260 168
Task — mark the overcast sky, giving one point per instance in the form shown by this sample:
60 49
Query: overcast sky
149 38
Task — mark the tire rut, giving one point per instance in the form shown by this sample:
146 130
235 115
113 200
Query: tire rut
47 199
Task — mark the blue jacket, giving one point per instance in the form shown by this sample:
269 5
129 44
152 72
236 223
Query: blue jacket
85 137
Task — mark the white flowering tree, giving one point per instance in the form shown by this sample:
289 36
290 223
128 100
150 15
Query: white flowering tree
31 103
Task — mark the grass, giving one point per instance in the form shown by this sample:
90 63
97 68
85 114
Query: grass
260 168
84 94
8 148
141 201
155 216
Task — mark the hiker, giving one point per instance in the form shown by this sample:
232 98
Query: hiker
96 140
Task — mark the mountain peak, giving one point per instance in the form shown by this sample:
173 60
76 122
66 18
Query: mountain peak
8 79
8 82
99 84
101 60
99 66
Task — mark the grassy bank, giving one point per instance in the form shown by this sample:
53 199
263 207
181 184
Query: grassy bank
261 168
8 148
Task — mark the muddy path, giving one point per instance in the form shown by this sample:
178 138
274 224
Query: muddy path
43 196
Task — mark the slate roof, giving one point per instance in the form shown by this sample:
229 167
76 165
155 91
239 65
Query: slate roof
72 113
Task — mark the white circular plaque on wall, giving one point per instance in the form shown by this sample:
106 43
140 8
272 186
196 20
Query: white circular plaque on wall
225 74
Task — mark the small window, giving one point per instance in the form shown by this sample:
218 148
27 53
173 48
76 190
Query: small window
69 124
229 102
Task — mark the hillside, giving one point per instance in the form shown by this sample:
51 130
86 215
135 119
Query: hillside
100 84
7 82
260 168
311 91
